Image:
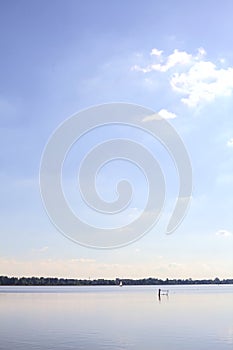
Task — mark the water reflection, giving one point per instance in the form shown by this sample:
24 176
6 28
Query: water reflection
116 318
164 293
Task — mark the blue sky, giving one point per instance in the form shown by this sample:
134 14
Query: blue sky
59 57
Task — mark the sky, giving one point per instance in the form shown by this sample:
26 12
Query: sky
60 57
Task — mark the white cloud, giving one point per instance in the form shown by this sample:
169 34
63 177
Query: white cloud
197 79
230 142
223 233
203 82
164 113
200 52
140 69
156 52
176 58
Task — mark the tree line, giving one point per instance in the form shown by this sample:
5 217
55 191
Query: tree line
53 281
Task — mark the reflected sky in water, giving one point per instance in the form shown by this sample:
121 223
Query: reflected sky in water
190 317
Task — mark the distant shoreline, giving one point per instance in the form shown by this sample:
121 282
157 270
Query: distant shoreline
53 281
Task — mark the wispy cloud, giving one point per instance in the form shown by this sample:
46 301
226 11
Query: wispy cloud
82 260
194 77
41 250
223 233
159 267
175 265
225 179
230 142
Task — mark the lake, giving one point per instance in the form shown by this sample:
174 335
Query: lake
112 317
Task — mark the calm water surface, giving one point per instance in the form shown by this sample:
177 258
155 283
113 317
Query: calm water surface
191 317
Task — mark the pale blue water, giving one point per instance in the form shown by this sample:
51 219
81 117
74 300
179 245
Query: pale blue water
191 317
